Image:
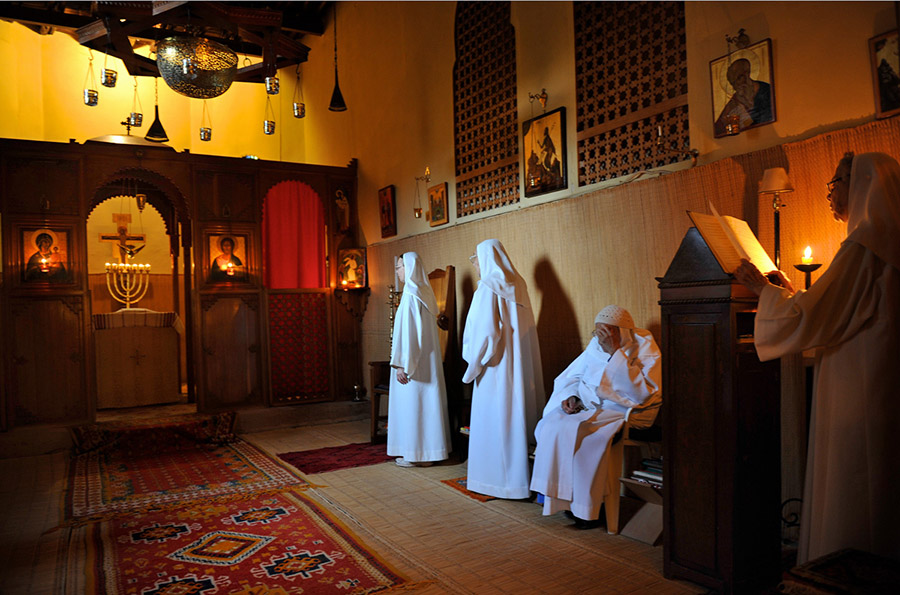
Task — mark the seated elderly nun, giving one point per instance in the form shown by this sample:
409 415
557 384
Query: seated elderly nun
501 348
620 369
418 424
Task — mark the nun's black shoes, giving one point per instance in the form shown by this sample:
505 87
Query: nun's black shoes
581 523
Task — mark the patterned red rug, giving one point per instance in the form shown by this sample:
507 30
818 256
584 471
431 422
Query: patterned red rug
333 458
264 544
157 469
459 484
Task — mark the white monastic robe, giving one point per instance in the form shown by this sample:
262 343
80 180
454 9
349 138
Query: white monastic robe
500 345
418 424
570 466
852 314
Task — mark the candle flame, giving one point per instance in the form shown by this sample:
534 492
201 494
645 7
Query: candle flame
807 256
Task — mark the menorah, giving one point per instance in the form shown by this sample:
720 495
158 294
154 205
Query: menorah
127 283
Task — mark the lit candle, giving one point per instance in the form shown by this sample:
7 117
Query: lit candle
230 269
45 267
807 256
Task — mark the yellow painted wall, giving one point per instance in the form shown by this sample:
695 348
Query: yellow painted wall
396 73
42 99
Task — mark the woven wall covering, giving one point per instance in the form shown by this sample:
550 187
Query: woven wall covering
609 245
299 347
630 79
486 130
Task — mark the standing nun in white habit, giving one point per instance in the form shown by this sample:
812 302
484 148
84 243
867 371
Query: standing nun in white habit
418 424
620 370
500 345
851 315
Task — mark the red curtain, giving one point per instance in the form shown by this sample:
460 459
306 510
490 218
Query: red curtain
293 237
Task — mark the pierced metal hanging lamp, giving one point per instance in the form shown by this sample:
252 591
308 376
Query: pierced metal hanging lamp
196 67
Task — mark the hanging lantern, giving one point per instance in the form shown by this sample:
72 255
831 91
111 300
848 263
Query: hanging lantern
205 125
272 85
91 96
108 76
299 106
136 117
269 123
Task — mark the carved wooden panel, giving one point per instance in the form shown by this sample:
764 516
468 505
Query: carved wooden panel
298 347
228 196
486 121
28 187
631 83
231 351
47 363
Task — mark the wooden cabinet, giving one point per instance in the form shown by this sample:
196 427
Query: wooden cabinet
721 444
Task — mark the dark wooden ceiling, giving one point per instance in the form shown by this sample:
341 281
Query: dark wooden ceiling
273 31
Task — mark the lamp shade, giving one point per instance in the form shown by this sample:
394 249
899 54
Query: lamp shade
775 180
337 99
196 67
157 133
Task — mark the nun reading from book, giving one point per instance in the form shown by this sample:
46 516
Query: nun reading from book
851 316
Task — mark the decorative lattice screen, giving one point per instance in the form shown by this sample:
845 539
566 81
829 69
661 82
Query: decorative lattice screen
630 79
298 344
484 80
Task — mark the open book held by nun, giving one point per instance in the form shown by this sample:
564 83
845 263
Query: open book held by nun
730 240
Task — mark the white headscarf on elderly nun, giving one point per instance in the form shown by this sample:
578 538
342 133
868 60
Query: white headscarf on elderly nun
570 464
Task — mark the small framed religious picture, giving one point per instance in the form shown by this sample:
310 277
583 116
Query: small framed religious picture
743 89
437 204
885 74
227 258
352 268
46 254
388 209
544 143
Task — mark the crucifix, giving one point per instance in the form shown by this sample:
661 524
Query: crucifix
122 237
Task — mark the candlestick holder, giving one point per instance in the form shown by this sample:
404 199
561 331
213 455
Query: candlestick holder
807 270
393 302
127 283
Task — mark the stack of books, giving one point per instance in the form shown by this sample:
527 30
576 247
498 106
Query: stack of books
651 472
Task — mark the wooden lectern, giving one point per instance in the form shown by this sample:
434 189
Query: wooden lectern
721 445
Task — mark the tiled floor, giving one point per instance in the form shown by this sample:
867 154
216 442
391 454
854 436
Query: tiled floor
443 541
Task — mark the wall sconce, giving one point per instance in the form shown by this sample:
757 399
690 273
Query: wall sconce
775 182
694 153
417 207
542 97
